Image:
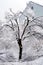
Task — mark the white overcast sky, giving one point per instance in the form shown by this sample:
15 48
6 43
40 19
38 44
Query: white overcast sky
16 5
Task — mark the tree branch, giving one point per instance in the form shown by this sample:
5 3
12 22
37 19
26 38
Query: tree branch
12 24
6 25
12 11
26 37
36 18
36 34
25 28
9 26
18 28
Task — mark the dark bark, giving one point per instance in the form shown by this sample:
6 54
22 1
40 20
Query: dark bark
20 48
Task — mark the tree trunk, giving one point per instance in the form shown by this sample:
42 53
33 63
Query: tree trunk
20 48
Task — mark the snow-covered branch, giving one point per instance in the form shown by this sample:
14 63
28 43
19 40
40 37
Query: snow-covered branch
29 28
25 28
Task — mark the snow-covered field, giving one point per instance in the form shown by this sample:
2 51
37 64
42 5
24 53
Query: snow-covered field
35 62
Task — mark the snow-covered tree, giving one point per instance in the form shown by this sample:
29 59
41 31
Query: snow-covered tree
29 28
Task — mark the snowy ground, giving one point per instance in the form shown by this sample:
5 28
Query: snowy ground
35 62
